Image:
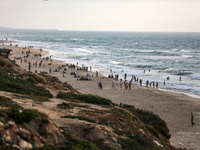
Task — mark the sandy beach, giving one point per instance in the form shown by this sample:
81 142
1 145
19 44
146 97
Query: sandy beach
174 108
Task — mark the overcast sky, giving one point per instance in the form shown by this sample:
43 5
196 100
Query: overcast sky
102 15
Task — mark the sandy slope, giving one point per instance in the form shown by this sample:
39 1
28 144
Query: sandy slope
174 108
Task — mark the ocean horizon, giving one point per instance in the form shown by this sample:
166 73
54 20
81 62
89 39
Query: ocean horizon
152 56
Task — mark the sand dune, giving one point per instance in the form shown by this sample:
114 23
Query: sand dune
174 108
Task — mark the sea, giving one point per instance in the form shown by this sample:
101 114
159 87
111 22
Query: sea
152 56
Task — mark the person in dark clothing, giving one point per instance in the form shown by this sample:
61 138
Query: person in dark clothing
129 85
100 86
147 83
125 75
192 119
140 82
29 66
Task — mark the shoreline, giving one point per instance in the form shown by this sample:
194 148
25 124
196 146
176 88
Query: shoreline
161 87
173 108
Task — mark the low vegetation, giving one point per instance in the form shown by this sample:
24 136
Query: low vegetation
134 129
70 105
22 116
7 102
79 118
85 98
153 122
11 83
130 144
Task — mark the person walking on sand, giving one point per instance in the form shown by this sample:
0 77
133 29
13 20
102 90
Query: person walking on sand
192 119
120 83
129 85
100 86
96 73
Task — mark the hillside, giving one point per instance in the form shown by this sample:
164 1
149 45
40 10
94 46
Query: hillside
38 111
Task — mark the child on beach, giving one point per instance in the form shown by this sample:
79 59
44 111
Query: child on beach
120 83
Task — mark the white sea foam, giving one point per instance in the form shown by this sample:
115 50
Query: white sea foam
131 52
186 56
195 76
185 51
169 70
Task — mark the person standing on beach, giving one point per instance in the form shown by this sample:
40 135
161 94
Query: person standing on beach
140 82
180 78
125 76
50 70
129 85
126 85
63 74
96 74
192 119
100 86
156 84
29 66
147 83
120 83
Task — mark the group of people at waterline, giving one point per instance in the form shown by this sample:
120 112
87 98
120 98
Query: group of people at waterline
127 84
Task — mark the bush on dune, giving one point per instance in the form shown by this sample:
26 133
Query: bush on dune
11 83
85 98
151 119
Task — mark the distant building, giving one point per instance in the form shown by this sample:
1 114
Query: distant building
5 52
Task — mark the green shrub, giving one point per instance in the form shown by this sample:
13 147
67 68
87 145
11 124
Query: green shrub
9 65
64 106
23 116
122 113
75 142
85 98
2 63
130 144
7 102
151 130
72 143
53 147
149 118
145 140
2 120
33 78
154 120
7 147
79 117
14 84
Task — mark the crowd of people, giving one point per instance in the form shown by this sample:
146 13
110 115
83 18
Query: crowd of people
63 68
